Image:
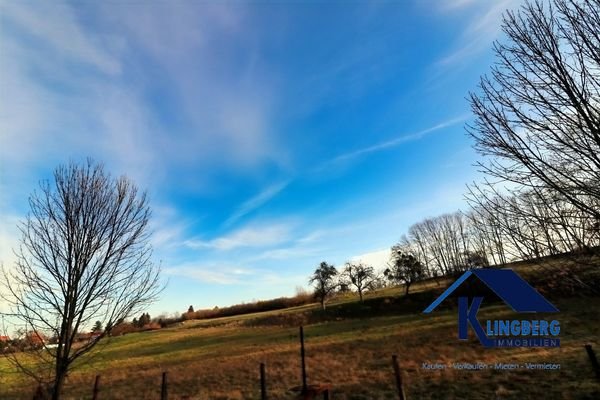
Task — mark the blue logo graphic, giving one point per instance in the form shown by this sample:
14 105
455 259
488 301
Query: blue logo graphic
517 294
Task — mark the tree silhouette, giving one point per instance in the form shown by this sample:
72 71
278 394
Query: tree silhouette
97 327
405 268
84 256
538 112
324 280
143 320
537 124
360 275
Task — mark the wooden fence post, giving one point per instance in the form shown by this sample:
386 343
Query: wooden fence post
263 383
96 387
398 374
304 385
163 389
592 355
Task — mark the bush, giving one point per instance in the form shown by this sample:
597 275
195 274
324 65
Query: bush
280 303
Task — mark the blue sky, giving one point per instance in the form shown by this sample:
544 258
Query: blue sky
270 137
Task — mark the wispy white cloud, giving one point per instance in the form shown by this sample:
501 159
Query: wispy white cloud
211 273
63 96
271 191
255 202
302 248
312 237
484 28
214 72
251 236
27 109
447 5
290 253
397 141
57 25
167 227
73 88
226 274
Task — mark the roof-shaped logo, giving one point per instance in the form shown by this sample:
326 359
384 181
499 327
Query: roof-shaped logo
510 287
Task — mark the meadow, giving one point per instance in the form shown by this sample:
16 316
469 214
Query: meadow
348 346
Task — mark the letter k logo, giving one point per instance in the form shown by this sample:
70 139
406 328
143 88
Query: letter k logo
468 315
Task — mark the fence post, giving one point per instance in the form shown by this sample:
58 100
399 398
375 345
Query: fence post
592 355
96 387
398 378
304 386
163 389
263 383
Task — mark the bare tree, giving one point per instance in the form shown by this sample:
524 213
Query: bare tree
534 223
324 280
360 275
84 256
537 223
441 243
538 124
416 243
538 113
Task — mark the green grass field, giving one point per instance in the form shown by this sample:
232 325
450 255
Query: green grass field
349 346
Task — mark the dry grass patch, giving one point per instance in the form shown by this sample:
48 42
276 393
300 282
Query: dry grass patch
220 360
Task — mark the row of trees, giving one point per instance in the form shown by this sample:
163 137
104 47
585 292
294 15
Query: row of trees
142 321
531 224
499 228
403 268
449 244
443 245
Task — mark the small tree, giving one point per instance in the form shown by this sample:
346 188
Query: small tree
405 268
97 327
360 275
324 280
142 321
190 309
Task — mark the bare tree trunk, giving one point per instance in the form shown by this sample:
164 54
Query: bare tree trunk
59 381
